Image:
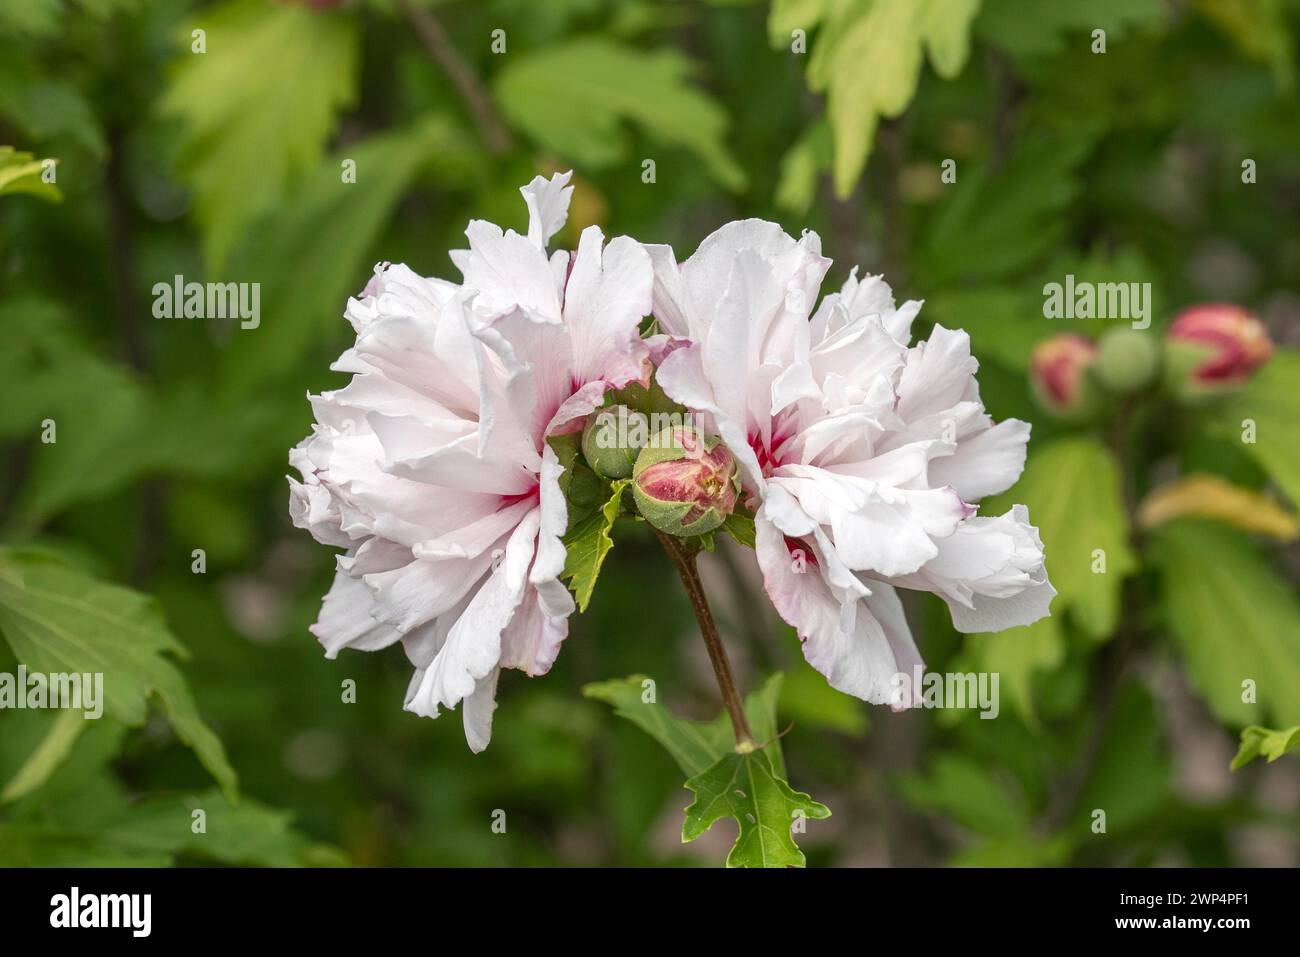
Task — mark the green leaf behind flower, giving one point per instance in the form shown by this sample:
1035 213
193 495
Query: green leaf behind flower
587 544
56 618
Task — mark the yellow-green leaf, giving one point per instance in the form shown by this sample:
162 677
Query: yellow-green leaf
1211 496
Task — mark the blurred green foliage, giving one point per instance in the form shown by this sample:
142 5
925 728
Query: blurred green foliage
231 165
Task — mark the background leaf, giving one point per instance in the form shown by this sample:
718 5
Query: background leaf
1234 619
574 98
61 620
257 107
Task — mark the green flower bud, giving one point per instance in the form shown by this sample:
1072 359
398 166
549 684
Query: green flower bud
685 483
1127 359
611 440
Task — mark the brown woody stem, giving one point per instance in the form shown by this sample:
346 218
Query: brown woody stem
435 40
684 559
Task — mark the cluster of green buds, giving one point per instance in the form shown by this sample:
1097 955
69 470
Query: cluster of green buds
684 482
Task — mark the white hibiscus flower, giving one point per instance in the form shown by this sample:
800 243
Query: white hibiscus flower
431 467
863 456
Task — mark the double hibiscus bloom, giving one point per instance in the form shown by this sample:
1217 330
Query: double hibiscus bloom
862 456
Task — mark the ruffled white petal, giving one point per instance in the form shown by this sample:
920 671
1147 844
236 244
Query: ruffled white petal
548 206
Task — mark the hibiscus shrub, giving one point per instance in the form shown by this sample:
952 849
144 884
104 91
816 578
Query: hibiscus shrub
998 571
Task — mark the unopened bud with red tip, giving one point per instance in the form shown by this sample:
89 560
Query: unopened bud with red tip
1218 345
685 483
1059 371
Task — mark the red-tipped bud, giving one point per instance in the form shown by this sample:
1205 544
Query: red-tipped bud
1059 371
1229 343
685 483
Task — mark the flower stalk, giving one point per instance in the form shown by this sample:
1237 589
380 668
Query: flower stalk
684 560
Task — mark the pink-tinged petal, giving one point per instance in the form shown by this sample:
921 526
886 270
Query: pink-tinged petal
478 535
861 353
312 507
661 345
459 466
875 527
476 712
669 303
998 614
396 290
556 600
886 607
844 640
608 294
784 511
729 351
796 382
508 272
436 361
986 463
1236 341
843 437
531 642
706 276
345 619
682 378
795 265
870 296
472 648
905 467
990 572
423 589
548 206
531 364
940 372
573 410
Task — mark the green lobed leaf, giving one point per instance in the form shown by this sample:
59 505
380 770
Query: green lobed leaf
575 97
1071 486
1235 618
47 756
311 256
694 745
867 60
997 221
745 787
1257 741
587 544
21 173
110 427
1004 23
49 109
157 830
749 787
59 619
967 790
1272 402
256 108
249 833
740 526
1017 654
